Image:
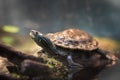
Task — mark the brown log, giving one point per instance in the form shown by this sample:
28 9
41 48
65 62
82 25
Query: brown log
14 56
28 67
7 77
35 69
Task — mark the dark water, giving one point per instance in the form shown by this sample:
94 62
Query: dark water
98 17
112 73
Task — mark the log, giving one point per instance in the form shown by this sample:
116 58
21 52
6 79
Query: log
28 67
7 77
35 69
14 56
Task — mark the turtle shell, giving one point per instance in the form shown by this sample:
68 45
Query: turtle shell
73 39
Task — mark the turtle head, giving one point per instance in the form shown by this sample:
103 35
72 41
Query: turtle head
36 36
43 41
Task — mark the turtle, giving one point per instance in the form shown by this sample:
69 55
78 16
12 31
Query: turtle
65 42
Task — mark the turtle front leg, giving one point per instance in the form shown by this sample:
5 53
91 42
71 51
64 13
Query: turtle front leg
74 67
72 64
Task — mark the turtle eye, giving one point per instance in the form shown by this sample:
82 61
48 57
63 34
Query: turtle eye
36 33
39 40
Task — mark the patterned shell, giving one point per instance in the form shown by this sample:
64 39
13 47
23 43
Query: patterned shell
73 39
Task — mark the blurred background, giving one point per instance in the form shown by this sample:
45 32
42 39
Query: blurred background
100 18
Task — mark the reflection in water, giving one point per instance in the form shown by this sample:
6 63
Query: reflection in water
111 73
71 72
85 74
92 67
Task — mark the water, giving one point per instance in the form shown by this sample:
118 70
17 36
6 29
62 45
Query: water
111 73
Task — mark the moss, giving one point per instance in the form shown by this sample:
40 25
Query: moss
56 66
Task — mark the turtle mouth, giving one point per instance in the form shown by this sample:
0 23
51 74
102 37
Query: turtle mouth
32 33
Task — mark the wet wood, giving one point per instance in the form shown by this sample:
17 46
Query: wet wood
15 56
28 65
33 68
7 77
